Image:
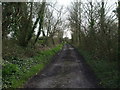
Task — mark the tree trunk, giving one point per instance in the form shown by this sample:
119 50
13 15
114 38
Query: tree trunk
53 41
41 21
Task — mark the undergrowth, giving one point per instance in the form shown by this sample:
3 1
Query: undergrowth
16 71
105 70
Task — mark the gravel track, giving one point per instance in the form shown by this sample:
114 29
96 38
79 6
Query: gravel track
67 70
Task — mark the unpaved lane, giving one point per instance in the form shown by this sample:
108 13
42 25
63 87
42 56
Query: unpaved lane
67 71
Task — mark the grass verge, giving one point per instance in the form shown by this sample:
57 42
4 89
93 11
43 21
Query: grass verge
106 71
18 71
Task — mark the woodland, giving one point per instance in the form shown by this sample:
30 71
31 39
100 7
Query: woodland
33 32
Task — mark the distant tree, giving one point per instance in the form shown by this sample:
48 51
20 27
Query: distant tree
98 29
75 21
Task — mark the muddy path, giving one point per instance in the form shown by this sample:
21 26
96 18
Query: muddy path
68 70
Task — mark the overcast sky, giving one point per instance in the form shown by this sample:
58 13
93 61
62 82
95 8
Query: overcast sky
66 3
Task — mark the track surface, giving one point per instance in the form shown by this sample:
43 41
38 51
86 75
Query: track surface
68 70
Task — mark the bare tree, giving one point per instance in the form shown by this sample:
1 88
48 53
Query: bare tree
75 21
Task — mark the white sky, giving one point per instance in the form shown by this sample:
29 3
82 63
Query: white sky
66 3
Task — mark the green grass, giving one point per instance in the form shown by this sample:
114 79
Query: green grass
22 69
25 76
105 70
